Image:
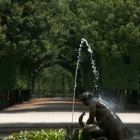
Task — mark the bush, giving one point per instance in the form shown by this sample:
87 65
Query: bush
48 134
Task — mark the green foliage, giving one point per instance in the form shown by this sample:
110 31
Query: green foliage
48 134
7 72
55 81
41 33
112 30
32 31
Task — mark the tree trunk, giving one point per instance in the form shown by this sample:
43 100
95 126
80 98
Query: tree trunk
39 90
63 85
134 97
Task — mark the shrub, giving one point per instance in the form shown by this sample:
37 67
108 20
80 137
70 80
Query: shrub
48 134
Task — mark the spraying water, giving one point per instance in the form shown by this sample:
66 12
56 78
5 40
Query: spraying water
95 72
75 79
94 69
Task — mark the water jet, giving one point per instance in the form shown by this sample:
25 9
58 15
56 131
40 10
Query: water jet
100 117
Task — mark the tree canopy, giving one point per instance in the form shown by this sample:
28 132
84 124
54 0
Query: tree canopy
112 30
35 35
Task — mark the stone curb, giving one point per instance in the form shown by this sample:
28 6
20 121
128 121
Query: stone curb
16 127
9 128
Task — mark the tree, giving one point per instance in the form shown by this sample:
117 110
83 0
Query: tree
27 29
56 81
112 30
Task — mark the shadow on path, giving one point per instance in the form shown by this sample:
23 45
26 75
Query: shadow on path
45 105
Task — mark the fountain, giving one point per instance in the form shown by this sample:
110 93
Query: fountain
94 69
109 114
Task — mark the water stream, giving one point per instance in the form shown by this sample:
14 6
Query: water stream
84 43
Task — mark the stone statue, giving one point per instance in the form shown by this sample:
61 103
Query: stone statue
107 121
